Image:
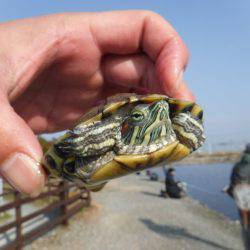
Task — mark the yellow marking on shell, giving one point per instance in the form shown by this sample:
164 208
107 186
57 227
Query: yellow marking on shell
109 108
109 171
133 98
132 161
153 98
183 104
196 110
112 107
88 116
179 153
118 97
95 188
179 104
163 153
93 119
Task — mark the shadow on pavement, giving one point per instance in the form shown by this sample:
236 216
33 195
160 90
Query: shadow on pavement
151 194
146 179
177 233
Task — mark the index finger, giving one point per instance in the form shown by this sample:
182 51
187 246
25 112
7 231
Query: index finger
128 32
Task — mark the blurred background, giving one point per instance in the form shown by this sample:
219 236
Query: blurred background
217 35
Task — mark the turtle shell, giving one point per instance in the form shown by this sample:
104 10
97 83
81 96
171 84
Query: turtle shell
115 102
124 164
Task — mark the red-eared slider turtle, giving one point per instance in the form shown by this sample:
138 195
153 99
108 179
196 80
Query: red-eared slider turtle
126 134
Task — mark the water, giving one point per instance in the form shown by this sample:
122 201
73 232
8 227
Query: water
205 182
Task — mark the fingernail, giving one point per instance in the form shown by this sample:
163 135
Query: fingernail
184 93
23 173
177 84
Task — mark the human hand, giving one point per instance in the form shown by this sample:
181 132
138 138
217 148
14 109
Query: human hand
54 68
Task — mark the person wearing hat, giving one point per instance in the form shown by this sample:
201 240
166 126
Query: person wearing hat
170 181
173 189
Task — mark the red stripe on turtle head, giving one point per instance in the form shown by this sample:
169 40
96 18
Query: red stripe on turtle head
124 127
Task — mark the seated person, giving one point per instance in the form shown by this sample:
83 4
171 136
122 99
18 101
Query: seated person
172 188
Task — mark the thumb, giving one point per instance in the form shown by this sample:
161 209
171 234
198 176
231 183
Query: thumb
20 153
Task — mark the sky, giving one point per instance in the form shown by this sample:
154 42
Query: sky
217 34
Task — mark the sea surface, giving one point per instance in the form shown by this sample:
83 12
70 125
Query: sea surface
205 183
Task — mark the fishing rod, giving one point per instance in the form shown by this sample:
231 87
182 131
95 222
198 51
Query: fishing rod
201 189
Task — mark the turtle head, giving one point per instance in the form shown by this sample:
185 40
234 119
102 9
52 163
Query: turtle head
147 124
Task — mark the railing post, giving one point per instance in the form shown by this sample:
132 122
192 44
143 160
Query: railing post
18 221
85 195
63 197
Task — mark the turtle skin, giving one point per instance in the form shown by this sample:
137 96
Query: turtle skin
127 133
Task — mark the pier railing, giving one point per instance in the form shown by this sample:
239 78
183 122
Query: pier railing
32 217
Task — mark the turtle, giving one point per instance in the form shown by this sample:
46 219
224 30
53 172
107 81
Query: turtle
126 133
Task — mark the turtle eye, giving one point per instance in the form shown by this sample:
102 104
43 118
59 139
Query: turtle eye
137 116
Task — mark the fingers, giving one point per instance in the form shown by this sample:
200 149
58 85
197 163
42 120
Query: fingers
77 42
20 153
130 71
170 67
184 93
138 70
133 31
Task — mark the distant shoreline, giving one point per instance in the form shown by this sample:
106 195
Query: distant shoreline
206 158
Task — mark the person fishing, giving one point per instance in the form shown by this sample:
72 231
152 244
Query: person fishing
173 188
239 190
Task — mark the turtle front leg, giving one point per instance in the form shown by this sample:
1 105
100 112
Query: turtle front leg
189 130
